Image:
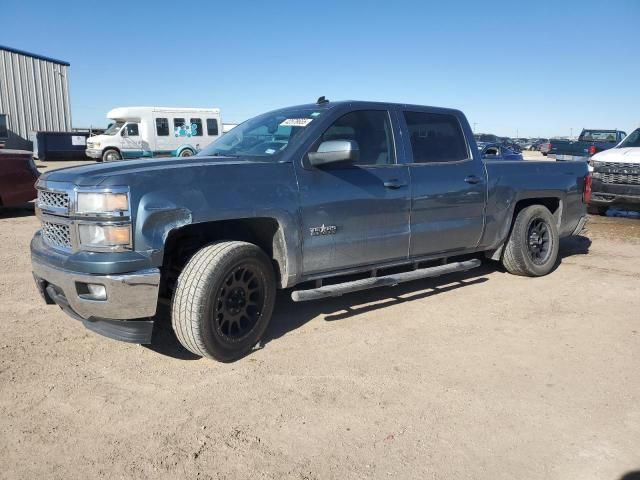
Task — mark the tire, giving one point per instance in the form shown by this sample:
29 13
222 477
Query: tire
223 300
532 248
186 153
597 210
111 155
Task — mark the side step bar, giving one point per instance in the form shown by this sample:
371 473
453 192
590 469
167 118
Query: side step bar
384 281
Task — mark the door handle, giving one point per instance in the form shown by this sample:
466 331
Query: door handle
472 179
393 184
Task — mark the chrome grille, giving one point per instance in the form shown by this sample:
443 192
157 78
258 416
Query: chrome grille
617 165
57 234
618 178
55 200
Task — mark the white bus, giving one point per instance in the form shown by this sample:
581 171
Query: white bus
138 132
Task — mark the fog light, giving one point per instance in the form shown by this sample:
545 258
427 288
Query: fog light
91 291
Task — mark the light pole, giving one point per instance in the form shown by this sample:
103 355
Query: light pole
474 126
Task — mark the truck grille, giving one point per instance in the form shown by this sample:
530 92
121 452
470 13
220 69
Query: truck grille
57 234
618 178
48 199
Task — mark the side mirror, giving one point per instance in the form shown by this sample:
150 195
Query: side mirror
335 151
124 132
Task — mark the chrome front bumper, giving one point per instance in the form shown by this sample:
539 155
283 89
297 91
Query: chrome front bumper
93 153
129 296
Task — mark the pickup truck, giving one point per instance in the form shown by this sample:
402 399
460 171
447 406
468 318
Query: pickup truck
616 175
588 144
325 199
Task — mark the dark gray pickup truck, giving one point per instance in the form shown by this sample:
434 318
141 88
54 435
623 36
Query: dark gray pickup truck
329 198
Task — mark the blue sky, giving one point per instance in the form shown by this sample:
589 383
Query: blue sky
535 68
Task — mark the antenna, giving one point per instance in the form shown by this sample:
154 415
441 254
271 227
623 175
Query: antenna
322 100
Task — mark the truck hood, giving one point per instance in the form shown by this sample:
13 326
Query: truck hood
99 138
622 155
125 172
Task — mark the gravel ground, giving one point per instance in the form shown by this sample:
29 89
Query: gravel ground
480 375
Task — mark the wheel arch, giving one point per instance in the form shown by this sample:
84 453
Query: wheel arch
184 241
553 203
182 148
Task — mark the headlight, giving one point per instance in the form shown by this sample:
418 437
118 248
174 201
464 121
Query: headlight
115 204
93 145
104 236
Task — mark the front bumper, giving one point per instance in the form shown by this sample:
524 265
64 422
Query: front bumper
614 194
93 153
129 298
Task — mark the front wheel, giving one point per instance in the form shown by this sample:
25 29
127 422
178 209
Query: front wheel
111 155
532 248
186 153
223 300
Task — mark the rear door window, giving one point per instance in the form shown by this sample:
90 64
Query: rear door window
436 137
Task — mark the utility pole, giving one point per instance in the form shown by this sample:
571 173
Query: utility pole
571 137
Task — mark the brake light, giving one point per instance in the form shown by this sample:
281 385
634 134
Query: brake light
586 195
592 149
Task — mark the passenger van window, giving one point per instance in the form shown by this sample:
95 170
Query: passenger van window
178 122
162 127
371 130
132 129
196 127
212 126
436 137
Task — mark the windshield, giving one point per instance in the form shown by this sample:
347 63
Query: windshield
265 136
114 128
632 141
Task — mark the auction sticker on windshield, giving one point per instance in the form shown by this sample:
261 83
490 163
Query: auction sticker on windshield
296 122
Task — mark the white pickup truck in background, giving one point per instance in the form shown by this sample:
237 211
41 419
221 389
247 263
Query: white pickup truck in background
616 175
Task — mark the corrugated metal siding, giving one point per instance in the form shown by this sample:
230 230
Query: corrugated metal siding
34 93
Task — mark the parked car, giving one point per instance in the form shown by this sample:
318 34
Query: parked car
18 175
616 175
297 197
588 144
544 148
138 132
495 151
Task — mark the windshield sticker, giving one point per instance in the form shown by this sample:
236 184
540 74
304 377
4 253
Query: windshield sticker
270 151
315 114
296 122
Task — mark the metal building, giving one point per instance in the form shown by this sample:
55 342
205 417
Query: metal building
34 96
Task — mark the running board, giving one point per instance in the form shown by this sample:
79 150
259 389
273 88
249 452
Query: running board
385 281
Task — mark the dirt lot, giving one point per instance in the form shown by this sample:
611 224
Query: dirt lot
482 375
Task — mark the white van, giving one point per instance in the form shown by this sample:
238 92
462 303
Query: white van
155 132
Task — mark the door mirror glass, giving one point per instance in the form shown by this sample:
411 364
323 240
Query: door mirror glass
335 151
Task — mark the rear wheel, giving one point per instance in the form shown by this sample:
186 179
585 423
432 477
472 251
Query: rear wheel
111 155
532 248
186 153
223 301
